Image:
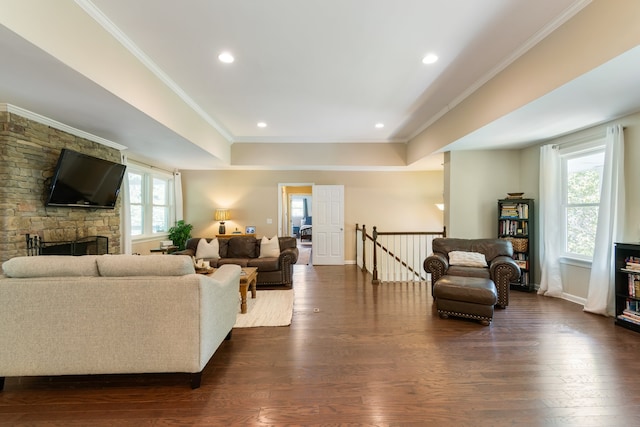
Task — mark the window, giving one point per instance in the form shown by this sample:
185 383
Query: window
151 201
582 181
297 208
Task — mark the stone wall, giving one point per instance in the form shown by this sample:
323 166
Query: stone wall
28 155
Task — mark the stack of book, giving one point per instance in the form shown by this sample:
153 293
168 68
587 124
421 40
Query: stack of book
632 263
631 313
509 211
519 210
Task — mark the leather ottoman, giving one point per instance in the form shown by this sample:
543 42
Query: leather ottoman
468 297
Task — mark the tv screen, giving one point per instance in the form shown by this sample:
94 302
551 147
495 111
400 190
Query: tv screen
80 180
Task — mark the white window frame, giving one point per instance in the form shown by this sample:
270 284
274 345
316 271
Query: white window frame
575 151
148 174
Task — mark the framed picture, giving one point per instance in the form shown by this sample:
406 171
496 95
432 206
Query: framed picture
250 229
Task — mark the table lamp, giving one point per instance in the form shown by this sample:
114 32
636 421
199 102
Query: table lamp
221 215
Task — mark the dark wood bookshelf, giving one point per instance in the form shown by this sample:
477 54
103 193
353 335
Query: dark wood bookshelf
627 286
515 223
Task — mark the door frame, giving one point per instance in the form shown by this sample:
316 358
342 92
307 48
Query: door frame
283 214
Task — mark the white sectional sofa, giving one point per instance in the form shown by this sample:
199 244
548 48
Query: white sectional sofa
112 314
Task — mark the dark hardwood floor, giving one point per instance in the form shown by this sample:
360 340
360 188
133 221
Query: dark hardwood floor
362 354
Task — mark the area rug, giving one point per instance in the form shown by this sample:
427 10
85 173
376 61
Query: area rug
269 308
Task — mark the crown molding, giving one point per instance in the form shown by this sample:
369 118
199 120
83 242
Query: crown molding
93 11
60 126
534 40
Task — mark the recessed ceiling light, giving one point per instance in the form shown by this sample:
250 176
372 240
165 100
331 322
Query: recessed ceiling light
226 57
430 59
262 125
379 125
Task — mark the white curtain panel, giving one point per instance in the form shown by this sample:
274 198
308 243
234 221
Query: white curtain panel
177 191
549 222
125 214
600 299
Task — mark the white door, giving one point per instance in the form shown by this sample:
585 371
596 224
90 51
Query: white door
328 225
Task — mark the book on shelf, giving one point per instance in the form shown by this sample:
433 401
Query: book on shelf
633 305
632 313
519 210
628 318
632 263
633 283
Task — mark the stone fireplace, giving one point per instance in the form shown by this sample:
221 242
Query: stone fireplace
29 151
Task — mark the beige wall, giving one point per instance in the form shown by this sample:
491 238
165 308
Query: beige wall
477 179
392 201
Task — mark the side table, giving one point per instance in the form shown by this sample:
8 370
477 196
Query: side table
165 250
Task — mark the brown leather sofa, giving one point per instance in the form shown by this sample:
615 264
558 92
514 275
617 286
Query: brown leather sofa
498 253
245 251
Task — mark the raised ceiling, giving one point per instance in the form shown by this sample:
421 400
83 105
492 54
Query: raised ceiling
315 71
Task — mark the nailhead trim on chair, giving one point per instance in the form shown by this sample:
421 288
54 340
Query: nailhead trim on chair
465 315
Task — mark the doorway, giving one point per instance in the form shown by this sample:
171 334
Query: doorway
295 205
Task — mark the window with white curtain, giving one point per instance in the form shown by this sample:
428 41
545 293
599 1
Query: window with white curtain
151 201
582 168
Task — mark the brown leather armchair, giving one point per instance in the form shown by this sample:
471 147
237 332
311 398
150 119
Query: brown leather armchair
501 268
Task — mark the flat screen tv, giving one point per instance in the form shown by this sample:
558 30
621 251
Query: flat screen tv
84 181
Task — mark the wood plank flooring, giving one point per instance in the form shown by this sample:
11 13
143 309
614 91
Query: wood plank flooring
362 354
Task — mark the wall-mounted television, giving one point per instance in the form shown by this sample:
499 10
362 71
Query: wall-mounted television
84 181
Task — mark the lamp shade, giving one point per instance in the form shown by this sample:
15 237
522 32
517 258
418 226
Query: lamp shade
221 214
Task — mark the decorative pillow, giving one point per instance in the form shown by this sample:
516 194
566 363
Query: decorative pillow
467 259
208 249
269 248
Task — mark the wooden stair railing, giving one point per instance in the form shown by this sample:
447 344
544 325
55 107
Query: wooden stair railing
394 259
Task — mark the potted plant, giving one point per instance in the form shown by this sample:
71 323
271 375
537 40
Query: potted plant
180 233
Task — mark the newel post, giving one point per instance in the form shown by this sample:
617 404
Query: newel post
375 280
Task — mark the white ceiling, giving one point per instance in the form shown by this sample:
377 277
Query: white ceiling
323 71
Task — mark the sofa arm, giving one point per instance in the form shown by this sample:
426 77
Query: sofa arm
288 256
505 268
189 252
436 264
503 271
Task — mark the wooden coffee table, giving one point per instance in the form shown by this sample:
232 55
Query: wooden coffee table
248 280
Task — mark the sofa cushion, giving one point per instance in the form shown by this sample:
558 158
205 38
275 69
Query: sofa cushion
51 266
208 249
242 262
145 265
269 248
460 270
467 259
264 264
242 247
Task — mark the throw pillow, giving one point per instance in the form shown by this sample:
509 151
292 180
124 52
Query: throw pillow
269 248
467 259
208 249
